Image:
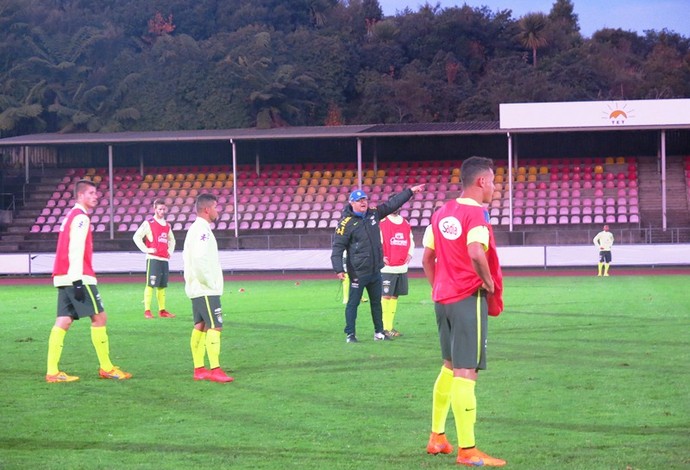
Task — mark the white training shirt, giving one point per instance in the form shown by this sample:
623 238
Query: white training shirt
202 272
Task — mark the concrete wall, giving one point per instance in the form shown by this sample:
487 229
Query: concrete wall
315 260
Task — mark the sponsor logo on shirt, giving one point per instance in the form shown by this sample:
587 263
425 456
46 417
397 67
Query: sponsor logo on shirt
450 228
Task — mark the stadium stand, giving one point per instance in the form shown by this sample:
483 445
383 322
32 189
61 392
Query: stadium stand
313 197
562 192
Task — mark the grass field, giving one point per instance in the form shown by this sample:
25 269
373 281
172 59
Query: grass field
584 373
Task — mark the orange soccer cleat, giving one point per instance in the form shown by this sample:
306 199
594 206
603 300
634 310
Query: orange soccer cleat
474 457
202 373
114 374
61 377
438 444
165 314
217 375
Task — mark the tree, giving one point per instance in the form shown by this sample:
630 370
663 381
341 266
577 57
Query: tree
532 33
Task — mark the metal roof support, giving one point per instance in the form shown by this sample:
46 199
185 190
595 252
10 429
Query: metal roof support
359 162
110 185
510 182
234 185
26 163
663 179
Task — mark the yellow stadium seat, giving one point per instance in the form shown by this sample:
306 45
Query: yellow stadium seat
165 185
521 170
609 160
455 172
196 185
327 174
455 179
304 182
532 170
369 174
531 178
381 173
620 160
306 174
368 181
349 174
598 169
144 185
211 177
148 178
221 177
543 170
316 174
500 171
169 177
497 179
337 174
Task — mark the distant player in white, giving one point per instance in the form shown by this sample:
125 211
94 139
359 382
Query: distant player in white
604 241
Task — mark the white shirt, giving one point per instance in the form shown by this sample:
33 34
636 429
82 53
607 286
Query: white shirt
203 274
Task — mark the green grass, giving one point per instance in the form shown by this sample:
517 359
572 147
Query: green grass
584 373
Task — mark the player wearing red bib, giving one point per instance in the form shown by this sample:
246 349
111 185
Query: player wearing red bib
78 296
155 238
398 246
461 264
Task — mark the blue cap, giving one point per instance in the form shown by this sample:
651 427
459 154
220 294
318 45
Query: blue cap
357 195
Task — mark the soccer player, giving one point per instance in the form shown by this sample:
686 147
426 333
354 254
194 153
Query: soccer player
604 241
203 277
155 238
461 264
398 247
78 296
358 234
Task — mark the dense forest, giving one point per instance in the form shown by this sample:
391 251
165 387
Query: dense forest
116 65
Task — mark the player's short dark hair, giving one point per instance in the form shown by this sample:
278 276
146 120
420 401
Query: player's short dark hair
205 200
158 202
472 168
82 185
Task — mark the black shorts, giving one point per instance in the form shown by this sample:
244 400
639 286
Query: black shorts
157 273
605 256
68 306
394 285
462 328
207 310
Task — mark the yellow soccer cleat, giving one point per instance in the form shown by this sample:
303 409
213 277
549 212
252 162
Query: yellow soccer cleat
61 377
114 374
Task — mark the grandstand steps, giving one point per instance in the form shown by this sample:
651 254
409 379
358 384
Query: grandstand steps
677 211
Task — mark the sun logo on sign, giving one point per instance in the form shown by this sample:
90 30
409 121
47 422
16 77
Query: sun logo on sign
618 115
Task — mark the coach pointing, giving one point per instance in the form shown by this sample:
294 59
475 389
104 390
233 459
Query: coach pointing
358 234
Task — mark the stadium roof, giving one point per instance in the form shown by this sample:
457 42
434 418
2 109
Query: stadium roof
315 132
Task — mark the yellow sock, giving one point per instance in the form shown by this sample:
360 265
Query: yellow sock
198 345
213 348
393 308
464 404
387 314
160 295
55 342
99 338
600 265
346 288
148 294
441 400
606 269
